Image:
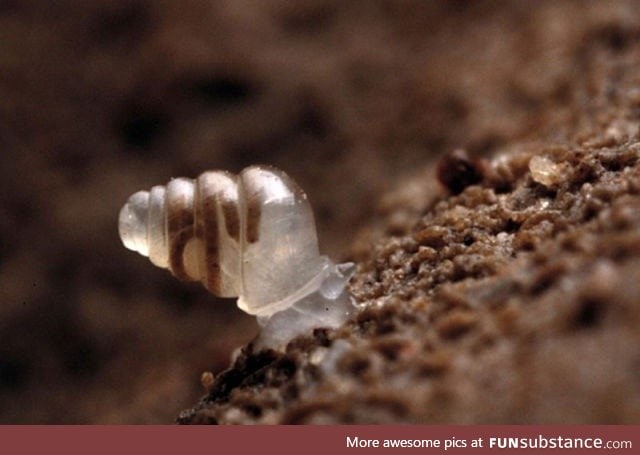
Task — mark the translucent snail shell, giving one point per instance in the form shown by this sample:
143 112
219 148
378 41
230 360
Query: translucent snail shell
252 236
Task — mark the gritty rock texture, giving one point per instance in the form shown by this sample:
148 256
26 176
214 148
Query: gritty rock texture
517 306
477 160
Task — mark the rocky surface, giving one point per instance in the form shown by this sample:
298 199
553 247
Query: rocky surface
478 160
516 301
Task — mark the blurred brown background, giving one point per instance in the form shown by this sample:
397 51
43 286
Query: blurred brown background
100 99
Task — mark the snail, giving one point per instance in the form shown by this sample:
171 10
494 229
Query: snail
250 236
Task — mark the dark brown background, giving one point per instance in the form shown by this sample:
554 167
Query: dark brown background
100 99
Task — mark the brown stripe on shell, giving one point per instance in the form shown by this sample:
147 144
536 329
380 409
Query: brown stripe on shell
256 181
179 231
207 229
232 218
254 199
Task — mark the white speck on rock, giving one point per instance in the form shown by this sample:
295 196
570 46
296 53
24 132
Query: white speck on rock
546 172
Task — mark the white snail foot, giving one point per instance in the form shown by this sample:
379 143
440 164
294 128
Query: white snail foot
327 305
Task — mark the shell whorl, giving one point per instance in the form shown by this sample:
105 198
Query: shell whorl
251 235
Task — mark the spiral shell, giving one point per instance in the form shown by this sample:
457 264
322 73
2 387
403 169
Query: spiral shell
252 235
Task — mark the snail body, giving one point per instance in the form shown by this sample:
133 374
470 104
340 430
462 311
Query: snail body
250 236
